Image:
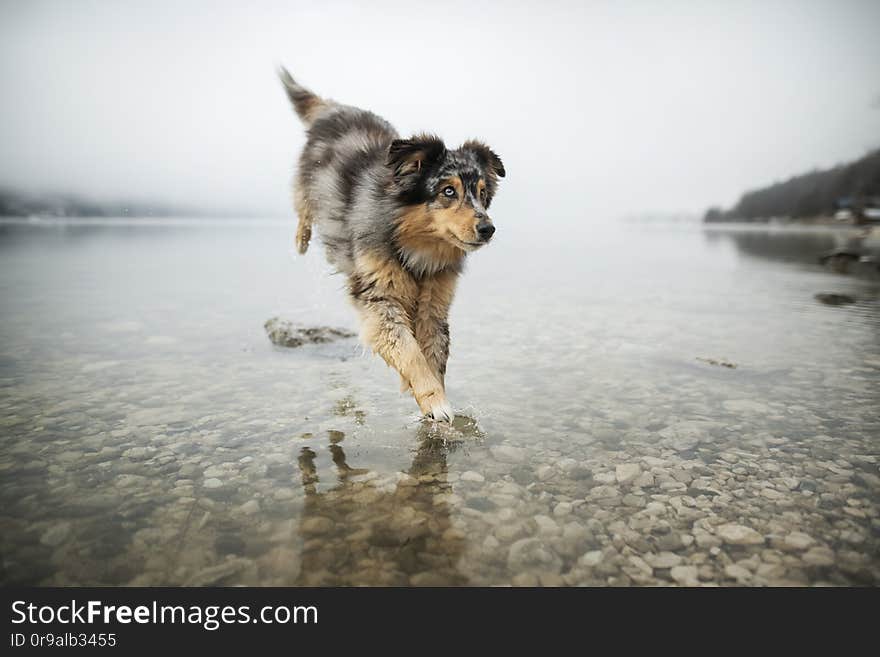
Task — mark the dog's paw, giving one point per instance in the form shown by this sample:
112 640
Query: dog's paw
433 403
441 411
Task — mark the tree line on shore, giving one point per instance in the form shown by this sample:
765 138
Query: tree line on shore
819 193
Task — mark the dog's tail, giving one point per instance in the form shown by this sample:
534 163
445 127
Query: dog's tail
307 104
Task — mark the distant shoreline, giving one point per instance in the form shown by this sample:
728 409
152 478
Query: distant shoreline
762 227
146 221
823 221
850 191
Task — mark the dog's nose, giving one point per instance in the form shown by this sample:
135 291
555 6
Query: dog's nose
485 230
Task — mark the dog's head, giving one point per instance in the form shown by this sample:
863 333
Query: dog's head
446 194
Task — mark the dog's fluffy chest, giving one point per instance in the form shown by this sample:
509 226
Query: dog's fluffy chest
429 260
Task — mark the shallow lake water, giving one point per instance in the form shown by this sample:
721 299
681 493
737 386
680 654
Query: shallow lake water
151 434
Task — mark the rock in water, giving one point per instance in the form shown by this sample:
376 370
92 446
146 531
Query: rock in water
626 472
285 334
215 575
739 535
832 299
508 454
685 575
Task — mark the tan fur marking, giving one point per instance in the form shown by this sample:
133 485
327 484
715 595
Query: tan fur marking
304 227
455 181
312 107
388 326
412 162
419 232
389 277
431 327
458 220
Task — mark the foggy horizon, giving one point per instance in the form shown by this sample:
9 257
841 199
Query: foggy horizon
598 111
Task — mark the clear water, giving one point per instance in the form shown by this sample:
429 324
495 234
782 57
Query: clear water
151 434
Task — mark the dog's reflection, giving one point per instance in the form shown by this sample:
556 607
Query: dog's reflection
366 532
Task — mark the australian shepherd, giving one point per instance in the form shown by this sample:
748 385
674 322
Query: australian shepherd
397 217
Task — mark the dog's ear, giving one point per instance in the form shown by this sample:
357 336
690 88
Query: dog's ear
406 156
486 155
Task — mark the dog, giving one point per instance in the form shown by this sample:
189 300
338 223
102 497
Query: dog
398 217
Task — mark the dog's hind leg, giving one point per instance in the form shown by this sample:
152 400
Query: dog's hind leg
304 212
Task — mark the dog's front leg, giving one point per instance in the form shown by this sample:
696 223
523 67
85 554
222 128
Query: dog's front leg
431 324
387 331
433 337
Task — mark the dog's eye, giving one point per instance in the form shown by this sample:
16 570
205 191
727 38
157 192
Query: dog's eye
449 191
483 195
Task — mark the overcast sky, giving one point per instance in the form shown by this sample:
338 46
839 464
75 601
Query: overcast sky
597 108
